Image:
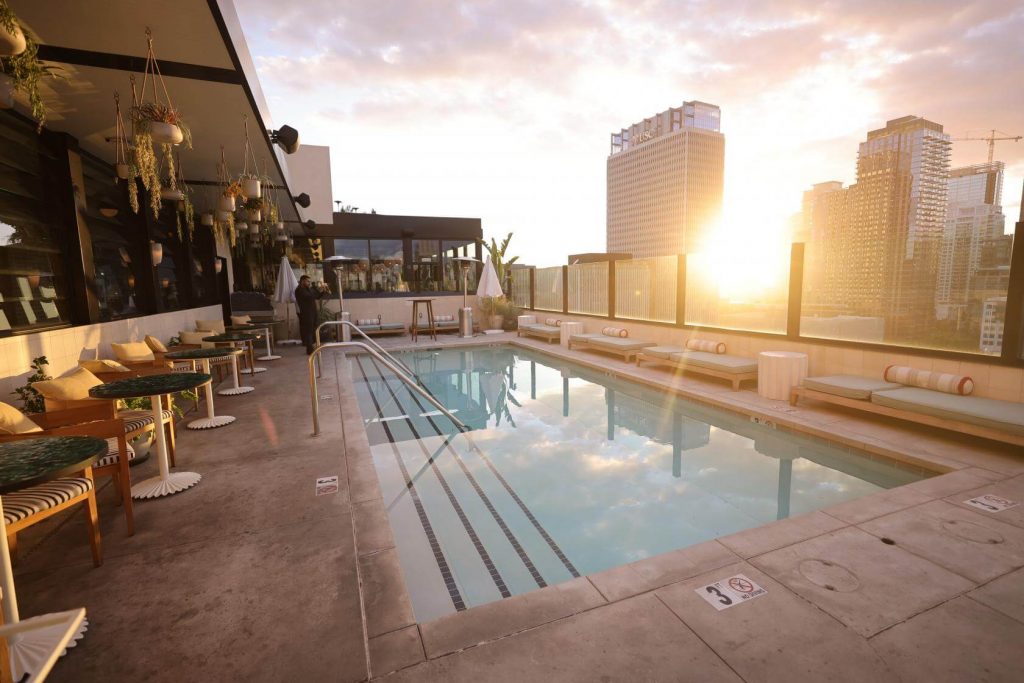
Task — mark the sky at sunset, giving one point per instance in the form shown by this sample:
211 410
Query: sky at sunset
502 110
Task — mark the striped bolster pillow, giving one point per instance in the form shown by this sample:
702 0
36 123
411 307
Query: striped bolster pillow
367 321
937 381
443 318
553 322
615 332
706 345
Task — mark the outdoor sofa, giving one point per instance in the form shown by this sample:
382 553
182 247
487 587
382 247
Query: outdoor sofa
985 417
613 340
442 323
550 330
703 357
375 326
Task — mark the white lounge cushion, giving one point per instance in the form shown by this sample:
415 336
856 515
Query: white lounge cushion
27 502
716 361
848 386
1007 416
664 352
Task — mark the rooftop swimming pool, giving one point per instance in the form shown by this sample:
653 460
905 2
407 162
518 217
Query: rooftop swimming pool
569 471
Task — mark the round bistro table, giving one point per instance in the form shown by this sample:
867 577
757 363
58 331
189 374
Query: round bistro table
247 340
153 387
267 329
24 464
204 355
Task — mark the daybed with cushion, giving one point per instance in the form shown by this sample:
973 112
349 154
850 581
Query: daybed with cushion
930 398
442 323
703 357
375 326
610 340
550 330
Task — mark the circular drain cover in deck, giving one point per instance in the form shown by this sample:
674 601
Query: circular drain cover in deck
969 531
829 575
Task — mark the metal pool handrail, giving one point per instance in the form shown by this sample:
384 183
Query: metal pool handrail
365 336
388 364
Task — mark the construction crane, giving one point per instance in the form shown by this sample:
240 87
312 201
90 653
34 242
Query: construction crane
991 140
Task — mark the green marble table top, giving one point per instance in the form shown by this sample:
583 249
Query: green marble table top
233 337
150 385
199 354
34 461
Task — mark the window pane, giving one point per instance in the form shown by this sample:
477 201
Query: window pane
913 253
645 289
386 261
119 244
355 275
738 292
548 294
588 288
452 270
426 266
33 290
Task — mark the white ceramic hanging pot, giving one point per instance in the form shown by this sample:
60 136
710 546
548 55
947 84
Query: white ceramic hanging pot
226 203
165 133
6 92
279 225
12 43
123 171
255 215
254 229
251 188
170 195
241 226
206 219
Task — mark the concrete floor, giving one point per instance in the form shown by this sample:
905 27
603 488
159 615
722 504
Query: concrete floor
250 576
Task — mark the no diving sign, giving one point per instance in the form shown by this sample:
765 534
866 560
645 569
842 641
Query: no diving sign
730 592
991 503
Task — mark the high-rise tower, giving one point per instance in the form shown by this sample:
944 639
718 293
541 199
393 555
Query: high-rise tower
665 178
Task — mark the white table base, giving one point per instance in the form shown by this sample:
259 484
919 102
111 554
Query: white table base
211 420
32 650
236 389
253 371
778 372
270 354
166 482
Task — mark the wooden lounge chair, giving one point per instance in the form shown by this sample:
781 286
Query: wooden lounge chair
984 417
735 369
376 327
605 343
550 330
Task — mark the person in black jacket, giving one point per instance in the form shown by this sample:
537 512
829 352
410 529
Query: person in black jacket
305 300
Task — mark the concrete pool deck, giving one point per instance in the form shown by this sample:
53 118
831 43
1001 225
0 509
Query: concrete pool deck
251 576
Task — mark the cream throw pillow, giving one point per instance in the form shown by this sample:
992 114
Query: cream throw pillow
211 325
193 338
132 352
239 320
72 387
13 421
102 366
154 344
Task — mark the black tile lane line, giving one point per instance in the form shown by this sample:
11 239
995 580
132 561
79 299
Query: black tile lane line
555 548
485 557
428 528
513 541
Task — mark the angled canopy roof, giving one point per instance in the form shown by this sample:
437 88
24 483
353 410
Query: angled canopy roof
204 61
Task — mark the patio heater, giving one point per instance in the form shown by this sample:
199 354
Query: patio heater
465 313
339 261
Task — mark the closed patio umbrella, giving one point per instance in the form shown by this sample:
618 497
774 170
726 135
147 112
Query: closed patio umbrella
284 293
489 285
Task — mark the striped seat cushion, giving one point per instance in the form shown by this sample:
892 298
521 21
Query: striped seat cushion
25 503
114 454
137 419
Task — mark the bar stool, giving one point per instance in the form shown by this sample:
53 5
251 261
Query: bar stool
430 317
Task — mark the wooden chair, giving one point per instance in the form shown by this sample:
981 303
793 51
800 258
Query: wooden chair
114 464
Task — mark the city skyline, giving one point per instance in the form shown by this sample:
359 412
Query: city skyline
502 111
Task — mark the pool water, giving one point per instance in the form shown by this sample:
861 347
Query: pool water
569 471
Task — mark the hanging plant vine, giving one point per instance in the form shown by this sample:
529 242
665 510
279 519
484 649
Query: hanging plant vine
24 69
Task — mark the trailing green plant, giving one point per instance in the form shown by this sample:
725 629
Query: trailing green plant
146 165
253 204
501 265
25 69
31 400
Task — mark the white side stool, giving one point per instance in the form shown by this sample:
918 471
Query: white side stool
778 372
567 330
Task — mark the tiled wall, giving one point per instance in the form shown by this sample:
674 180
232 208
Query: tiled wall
992 381
65 347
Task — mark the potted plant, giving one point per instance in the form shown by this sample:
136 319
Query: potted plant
12 36
20 68
490 306
510 312
251 187
226 201
254 208
163 122
31 400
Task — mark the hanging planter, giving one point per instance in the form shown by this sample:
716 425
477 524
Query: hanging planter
170 194
19 60
252 188
224 216
206 219
254 215
226 203
243 226
124 171
165 133
12 37
254 209
254 229
279 225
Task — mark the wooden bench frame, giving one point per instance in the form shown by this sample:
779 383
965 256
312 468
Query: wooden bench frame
735 377
546 336
397 330
910 416
627 354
